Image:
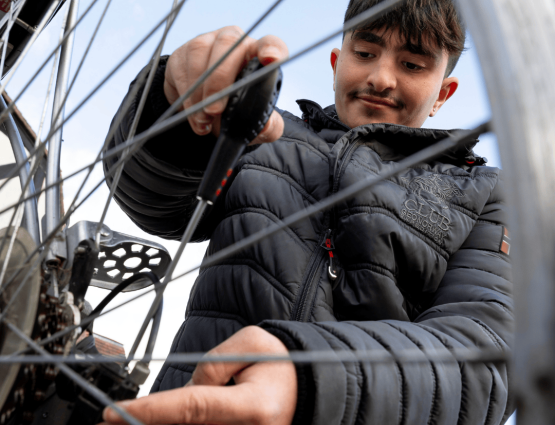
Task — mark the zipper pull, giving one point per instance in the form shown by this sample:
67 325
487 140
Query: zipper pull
328 246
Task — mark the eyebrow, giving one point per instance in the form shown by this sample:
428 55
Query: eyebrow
370 37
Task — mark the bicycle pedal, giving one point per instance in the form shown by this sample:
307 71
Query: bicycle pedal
120 256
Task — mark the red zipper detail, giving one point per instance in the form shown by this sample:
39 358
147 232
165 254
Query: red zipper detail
329 247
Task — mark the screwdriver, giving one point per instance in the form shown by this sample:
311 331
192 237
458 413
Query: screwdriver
246 114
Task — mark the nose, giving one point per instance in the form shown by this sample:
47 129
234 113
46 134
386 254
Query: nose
382 76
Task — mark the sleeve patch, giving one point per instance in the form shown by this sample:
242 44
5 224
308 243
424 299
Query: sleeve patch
505 246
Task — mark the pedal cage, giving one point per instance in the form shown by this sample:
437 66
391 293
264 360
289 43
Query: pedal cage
120 256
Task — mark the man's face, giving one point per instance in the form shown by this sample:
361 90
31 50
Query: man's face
378 78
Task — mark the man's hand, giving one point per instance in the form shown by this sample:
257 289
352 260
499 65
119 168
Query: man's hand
264 393
190 61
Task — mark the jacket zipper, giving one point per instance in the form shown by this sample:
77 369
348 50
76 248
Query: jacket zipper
343 158
329 247
300 312
326 244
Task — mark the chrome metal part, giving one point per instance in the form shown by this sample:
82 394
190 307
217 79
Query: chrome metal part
67 301
15 5
120 256
30 29
55 144
140 373
50 12
31 220
332 273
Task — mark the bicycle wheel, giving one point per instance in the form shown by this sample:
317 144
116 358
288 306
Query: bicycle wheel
110 47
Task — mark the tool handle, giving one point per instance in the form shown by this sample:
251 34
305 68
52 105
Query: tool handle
246 114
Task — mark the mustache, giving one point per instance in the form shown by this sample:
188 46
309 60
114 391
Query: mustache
386 95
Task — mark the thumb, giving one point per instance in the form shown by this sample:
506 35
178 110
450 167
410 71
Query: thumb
250 339
272 131
217 373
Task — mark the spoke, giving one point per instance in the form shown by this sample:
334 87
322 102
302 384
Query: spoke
72 208
420 157
34 167
6 36
84 57
154 60
373 13
487 354
199 210
38 30
58 112
173 108
34 158
114 70
26 182
18 218
41 147
26 86
35 163
177 104
129 147
30 271
15 218
78 379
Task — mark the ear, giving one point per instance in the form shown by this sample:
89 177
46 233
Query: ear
448 88
333 60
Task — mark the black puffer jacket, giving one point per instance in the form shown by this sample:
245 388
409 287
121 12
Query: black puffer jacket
419 262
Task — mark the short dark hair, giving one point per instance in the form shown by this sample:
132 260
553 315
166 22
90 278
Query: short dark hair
418 20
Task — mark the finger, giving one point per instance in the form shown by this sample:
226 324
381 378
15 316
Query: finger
188 405
269 49
272 131
250 339
226 73
198 56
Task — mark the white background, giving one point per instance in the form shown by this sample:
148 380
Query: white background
298 23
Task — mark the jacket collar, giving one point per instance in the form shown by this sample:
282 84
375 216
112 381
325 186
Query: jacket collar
404 140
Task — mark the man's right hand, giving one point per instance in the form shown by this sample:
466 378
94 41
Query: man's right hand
190 61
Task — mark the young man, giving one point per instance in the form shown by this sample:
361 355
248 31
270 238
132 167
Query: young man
418 259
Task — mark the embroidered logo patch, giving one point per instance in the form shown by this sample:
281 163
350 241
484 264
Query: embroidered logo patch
428 211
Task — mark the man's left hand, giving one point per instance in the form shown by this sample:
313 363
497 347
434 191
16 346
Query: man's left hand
264 393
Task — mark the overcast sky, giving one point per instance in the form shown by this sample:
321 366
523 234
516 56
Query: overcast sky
299 23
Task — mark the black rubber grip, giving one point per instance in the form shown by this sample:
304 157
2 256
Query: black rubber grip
246 114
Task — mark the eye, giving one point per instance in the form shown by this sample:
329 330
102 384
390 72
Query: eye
412 66
364 55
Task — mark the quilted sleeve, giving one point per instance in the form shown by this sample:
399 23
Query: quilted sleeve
472 308
158 186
